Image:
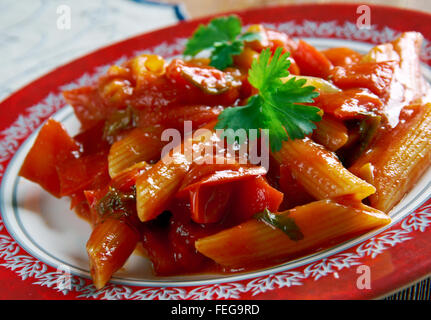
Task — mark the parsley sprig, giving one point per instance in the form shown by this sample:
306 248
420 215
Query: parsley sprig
222 36
278 107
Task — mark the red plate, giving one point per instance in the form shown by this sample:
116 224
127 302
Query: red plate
394 256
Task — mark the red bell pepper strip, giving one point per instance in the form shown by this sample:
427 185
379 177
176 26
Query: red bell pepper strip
52 147
252 196
311 61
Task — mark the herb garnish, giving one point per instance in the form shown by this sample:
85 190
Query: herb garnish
116 203
283 222
222 36
277 107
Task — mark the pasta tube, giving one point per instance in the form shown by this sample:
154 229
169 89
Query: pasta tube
110 245
139 145
319 171
397 159
322 224
157 186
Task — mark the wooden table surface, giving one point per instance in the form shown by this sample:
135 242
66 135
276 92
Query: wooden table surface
200 8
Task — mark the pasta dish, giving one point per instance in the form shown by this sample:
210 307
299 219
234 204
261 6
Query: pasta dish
250 150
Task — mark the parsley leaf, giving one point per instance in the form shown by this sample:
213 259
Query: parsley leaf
222 36
278 107
281 221
222 55
265 73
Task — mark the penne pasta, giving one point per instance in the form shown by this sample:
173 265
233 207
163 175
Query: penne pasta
157 186
397 158
126 179
322 224
110 245
319 171
139 145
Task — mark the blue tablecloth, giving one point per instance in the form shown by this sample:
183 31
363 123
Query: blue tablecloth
39 35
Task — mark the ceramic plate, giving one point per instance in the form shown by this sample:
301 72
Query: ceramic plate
42 242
